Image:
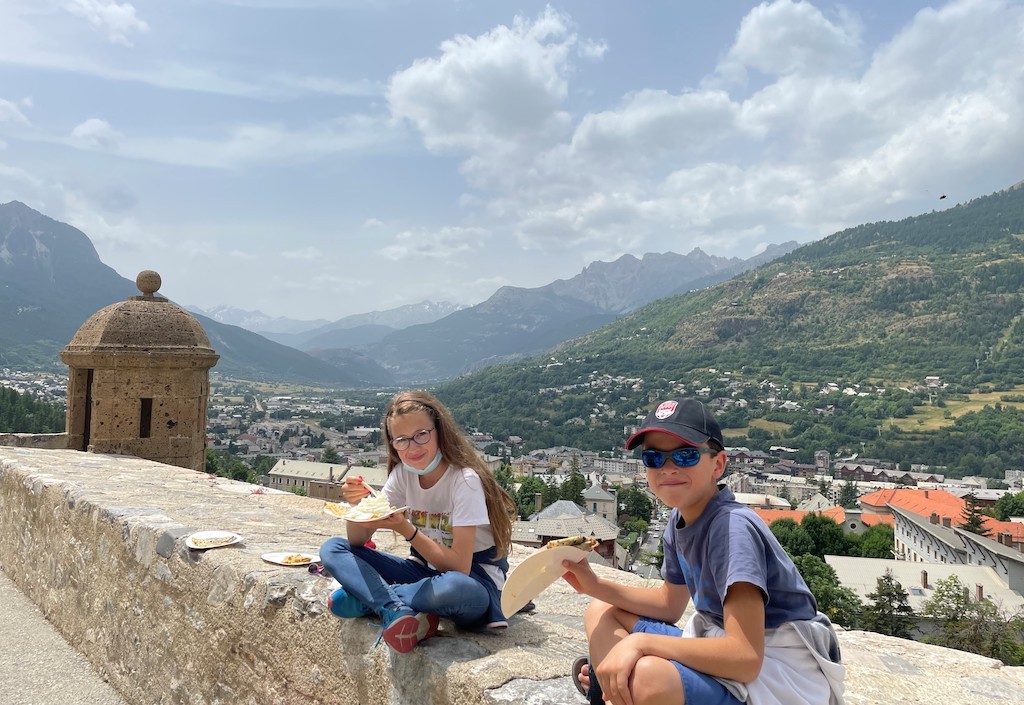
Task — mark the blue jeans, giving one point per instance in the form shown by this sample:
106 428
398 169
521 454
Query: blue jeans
382 581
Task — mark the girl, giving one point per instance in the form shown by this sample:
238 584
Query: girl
459 529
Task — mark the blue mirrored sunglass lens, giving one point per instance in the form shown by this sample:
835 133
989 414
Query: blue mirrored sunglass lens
686 457
652 458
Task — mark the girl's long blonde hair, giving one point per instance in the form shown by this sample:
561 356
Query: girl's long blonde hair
460 453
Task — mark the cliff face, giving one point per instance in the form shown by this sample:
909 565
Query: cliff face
97 542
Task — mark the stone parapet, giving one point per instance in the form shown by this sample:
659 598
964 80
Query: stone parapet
98 543
51 441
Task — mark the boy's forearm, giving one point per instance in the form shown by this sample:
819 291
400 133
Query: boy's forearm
723 657
645 602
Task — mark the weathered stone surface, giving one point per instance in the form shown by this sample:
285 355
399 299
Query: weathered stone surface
97 542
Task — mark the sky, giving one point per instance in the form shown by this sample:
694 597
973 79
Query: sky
321 158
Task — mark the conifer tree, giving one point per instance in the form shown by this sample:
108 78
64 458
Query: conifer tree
888 610
973 518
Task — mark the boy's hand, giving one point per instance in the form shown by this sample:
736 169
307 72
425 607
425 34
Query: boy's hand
615 671
580 576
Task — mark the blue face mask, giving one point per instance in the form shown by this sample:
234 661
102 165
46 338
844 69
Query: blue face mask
427 470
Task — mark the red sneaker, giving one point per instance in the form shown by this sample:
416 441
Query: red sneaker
406 628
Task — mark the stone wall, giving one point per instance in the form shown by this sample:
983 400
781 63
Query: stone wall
98 543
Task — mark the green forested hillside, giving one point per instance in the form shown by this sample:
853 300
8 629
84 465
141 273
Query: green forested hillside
881 305
23 413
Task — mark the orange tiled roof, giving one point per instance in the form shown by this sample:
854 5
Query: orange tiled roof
770 515
948 506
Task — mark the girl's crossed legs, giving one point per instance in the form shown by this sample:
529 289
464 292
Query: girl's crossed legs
382 581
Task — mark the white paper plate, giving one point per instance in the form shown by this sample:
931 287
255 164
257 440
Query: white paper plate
203 540
531 577
365 517
338 510
281 558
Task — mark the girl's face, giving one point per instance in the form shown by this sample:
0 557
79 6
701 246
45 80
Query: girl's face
404 428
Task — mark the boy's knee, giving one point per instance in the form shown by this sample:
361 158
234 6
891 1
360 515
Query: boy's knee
656 680
596 614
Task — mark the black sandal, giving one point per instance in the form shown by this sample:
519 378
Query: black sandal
593 694
577 667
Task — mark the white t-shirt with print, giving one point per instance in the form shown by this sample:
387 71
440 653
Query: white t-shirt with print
456 500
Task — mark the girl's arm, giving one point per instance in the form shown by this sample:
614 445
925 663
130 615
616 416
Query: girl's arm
666 602
459 557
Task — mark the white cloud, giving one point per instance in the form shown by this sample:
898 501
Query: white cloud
10 112
442 244
96 133
117 20
786 37
499 92
829 135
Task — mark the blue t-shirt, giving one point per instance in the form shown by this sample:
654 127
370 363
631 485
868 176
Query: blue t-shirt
728 544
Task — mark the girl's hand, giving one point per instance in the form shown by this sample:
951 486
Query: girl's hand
580 576
615 671
354 490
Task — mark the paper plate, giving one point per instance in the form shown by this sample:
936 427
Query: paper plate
338 510
365 517
290 558
203 540
531 577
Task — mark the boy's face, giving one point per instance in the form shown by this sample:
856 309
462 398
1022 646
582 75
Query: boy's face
688 489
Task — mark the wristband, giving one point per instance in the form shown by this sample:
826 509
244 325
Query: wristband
413 534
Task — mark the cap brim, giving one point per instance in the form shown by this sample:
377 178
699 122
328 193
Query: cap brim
695 438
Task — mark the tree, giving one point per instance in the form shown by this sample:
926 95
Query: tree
888 611
635 503
330 455
877 542
848 494
573 487
973 518
979 627
503 475
792 537
827 535
841 604
526 496
212 462
1009 505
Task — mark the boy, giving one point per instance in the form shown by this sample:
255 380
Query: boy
771 646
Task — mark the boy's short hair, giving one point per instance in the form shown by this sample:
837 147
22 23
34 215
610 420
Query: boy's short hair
686 419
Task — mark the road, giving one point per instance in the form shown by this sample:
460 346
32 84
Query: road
37 667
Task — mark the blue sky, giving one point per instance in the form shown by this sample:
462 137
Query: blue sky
319 158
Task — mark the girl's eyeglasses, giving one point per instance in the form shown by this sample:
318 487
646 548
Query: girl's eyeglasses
685 457
420 438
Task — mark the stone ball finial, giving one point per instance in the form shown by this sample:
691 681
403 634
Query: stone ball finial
148 282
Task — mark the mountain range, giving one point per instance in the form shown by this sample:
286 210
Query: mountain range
52 280
883 304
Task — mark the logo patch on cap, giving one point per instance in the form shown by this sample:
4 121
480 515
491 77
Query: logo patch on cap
665 409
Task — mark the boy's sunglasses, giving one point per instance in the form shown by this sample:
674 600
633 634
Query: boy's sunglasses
685 457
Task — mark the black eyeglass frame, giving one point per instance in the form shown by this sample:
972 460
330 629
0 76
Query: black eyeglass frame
402 442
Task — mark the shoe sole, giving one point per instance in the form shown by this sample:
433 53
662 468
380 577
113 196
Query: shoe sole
404 633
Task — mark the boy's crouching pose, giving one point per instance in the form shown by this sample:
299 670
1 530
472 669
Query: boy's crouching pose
756 637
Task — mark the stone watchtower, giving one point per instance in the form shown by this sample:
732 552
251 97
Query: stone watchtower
138 381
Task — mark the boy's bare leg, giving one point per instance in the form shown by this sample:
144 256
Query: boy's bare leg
655 680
